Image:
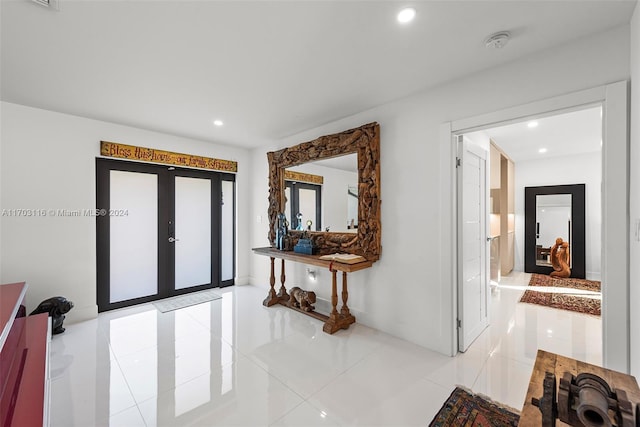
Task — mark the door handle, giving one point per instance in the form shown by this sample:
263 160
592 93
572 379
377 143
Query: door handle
172 240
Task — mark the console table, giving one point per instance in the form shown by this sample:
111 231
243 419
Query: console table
336 320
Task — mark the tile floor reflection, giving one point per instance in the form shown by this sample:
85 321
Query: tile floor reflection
233 362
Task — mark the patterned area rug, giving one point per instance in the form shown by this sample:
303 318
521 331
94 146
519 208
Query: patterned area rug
569 282
563 301
175 303
465 409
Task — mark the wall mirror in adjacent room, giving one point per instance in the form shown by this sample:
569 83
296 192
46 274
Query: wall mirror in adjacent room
330 183
551 212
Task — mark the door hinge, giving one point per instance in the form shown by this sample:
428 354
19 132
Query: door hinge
458 162
459 322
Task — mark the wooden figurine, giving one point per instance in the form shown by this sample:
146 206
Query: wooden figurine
560 259
302 299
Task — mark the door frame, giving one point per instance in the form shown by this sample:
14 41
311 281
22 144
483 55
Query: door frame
615 203
166 191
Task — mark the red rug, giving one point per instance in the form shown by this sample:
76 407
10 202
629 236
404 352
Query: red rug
465 409
563 301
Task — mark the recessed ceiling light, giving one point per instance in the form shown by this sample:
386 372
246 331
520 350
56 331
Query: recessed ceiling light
406 15
542 150
532 124
218 122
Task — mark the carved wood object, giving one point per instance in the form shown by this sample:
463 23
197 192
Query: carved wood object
365 141
585 396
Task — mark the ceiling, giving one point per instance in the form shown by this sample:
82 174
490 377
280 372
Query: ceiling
268 69
558 135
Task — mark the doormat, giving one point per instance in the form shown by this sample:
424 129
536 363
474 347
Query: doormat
464 408
564 300
187 300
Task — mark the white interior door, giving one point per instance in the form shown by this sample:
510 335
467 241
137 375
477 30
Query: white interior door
473 270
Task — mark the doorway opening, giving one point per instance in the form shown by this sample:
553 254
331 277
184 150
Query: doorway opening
546 151
161 231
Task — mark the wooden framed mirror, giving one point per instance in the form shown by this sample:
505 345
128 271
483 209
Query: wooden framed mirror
549 212
365 143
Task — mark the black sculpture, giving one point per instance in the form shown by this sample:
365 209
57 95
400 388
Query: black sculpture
283 239
56 307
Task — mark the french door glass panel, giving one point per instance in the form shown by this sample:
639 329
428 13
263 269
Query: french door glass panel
226 237
192 232
307 205
133 267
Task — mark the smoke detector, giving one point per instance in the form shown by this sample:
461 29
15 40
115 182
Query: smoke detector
498 40
53 4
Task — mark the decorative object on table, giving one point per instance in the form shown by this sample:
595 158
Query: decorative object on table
283 239
305 245
584 400
299 221
464 408
344 258
567 300
560 259
309 224
57 307
302 299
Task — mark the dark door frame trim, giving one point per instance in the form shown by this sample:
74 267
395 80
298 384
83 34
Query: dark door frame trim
166 250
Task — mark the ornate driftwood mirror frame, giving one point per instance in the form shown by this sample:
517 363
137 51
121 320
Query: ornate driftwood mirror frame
365 141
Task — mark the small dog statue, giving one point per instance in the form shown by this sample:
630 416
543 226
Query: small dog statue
302 299
56 307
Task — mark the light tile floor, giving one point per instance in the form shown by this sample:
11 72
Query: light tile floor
233 362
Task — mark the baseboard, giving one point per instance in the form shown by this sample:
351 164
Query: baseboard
243 280
592 275
81 314
257 282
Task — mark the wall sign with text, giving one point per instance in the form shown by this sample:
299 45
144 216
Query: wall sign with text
130 152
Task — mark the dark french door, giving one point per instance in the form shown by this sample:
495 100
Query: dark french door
161 231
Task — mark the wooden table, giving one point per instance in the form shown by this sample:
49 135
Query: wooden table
557 364
336 320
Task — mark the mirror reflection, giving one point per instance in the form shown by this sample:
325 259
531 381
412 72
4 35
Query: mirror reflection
323 195
553 220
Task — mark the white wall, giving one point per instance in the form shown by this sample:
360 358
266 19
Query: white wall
408 292
635 194
48 162
585 168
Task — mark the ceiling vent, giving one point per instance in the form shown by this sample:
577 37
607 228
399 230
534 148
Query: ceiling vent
498 40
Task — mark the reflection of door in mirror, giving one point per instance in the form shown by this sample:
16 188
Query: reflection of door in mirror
339 202
352 208
553 220
303 207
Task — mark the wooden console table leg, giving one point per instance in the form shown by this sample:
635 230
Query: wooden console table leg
282 293
332 324
343 319
271 298
344 311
